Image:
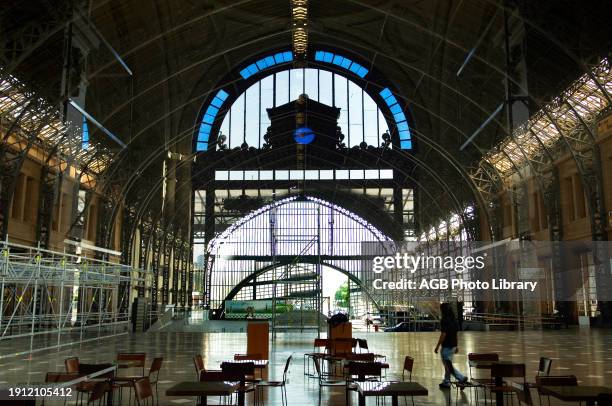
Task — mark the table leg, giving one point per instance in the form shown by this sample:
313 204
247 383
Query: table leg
362 400
499 396
394 401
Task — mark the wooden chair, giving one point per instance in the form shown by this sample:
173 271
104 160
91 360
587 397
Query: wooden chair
408 365
277 384
506 371
198 362
480 382
98 392
243 372
560 380
316 352
361 372
143 391
127 360
522 393
322 380
72 365
153 375
544 366
57 377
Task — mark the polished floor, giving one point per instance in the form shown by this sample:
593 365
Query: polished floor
582 352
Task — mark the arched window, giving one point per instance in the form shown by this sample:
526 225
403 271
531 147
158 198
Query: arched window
360 118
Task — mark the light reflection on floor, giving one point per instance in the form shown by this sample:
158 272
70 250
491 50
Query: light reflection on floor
585 353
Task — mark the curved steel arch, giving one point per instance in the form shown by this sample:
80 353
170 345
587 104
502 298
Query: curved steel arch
265 269
267 238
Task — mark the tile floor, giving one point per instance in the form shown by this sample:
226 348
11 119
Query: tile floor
585 353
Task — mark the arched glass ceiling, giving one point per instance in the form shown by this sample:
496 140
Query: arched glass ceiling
360 118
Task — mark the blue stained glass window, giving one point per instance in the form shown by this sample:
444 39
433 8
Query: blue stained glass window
337 60
403 126
279 58
362 72
404 135
346 63
385 93
208 119
245 73
201 146
288 56
391 100
217 102
406 144
319 55
399 117
328 57
253 68
222 94
395 109
261 64
212 111
270 61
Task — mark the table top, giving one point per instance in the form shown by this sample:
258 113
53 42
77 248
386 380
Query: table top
259 363
202 389
574 393
391 389
488 364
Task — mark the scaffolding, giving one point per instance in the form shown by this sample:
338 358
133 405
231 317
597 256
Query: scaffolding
50 300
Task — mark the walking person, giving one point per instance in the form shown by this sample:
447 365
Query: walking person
449 344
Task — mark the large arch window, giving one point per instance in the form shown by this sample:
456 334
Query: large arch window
361 120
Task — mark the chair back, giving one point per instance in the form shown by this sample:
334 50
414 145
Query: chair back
320 343
247 357
131 359
239 370
475 356
98 392
363 343
522 393
559 380
544 367
142 388
72 365
198 362
508 371
155 368
408 364
341 346
286 371
363 370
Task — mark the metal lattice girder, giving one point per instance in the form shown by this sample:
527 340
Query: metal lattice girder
577 106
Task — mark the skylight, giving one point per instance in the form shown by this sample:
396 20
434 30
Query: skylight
265 63
209 118
342 62
403 129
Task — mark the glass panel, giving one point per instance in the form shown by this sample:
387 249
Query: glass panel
266 175
371 174
356 173
311 84
296 175
267 101
297 83
251 175
326 174
281 175
221 175
341 102
282 88
386 173
342 174
311 174
236 175
325 87
236 134
372 136
355 118
252 115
